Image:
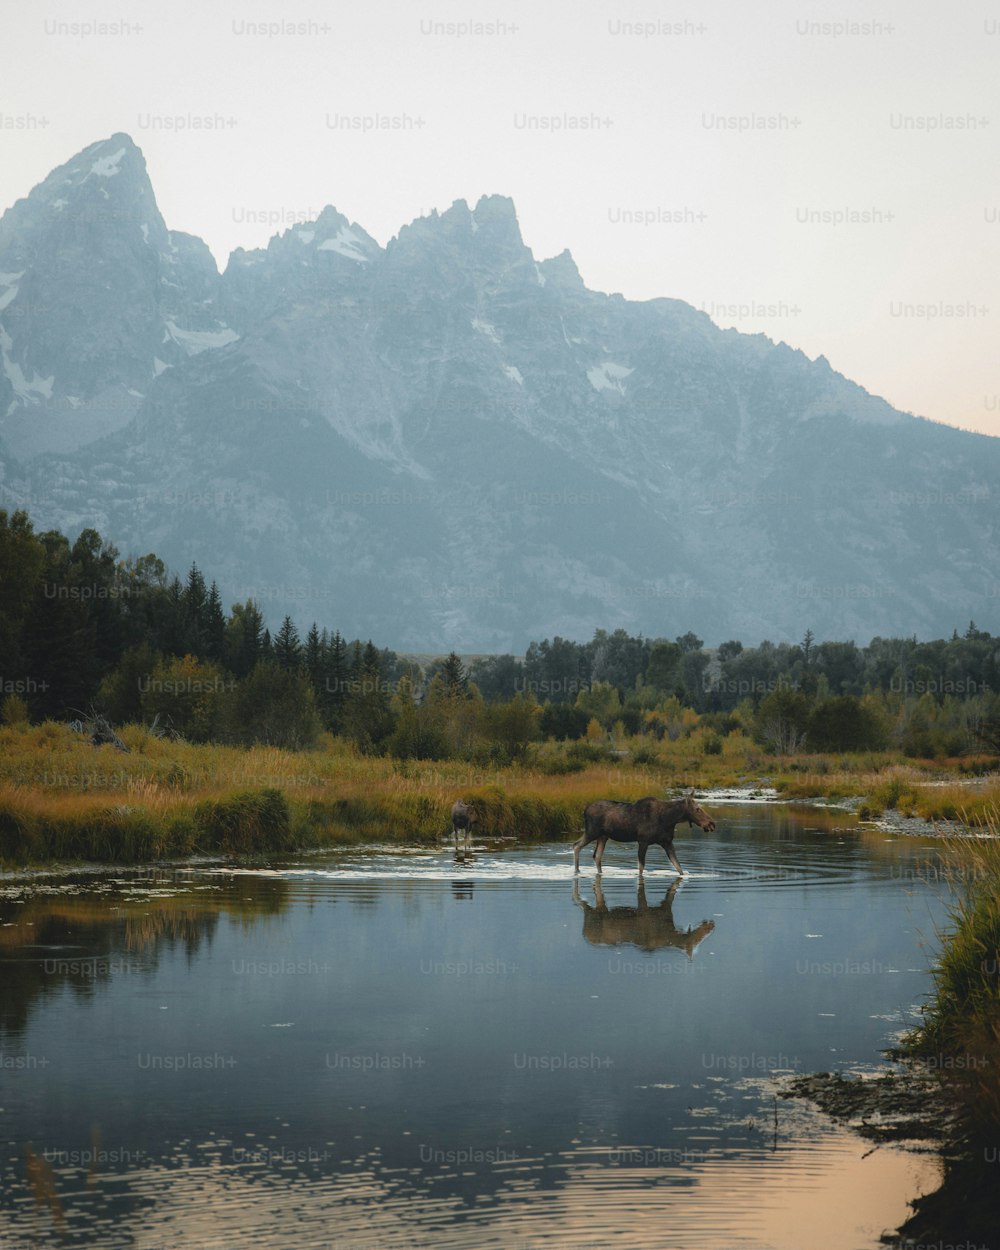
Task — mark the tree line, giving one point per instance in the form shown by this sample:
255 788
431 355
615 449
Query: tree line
81 627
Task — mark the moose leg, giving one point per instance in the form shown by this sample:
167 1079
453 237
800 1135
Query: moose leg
643 848
578 846
669 848
599 852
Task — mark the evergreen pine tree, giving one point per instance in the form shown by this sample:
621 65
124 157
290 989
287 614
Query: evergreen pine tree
312 658
454 676
287 647
59 639
215 626
366 716
336 678
172 634
21 561
244 638
195 601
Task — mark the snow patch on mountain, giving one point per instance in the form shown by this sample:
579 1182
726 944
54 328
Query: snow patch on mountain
195 341
28 390
107 166
609 377
486 328
347 243
9 280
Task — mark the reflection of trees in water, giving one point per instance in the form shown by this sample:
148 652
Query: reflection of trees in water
81 941
44 1193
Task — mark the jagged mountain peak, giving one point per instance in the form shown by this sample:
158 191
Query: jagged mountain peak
497 208
562 271
97 298
446 444
493 222
305 242
105 185
105 158
332 232
463 249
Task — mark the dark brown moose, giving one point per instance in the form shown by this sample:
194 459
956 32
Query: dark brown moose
463 816
648 928
650 822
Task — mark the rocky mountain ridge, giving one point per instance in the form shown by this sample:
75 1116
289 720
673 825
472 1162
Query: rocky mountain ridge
446 443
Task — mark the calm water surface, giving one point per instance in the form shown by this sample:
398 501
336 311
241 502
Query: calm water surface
400 1048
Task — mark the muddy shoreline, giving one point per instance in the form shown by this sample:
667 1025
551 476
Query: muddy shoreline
898 1106
912 1109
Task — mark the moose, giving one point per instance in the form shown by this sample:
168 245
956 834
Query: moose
463 816
649 822
648 928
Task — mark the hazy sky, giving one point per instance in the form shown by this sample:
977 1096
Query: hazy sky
710 152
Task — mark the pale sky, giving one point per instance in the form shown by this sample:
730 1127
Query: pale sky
718 149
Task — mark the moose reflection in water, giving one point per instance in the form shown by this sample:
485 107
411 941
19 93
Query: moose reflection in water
648 928
650 822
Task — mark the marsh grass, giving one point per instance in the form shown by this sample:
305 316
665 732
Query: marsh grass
62 798
960 1035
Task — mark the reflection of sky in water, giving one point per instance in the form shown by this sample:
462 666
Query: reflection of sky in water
446 1053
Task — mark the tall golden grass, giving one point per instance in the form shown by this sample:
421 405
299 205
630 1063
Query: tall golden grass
62 798
960 1035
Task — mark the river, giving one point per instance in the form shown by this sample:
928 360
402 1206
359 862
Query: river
395 1048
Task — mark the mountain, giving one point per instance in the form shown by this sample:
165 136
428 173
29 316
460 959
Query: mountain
445 443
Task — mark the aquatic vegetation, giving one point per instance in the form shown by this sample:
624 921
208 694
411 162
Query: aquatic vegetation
960 1035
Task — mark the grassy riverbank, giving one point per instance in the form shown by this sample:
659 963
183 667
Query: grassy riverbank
62 798
947 1089
960 1035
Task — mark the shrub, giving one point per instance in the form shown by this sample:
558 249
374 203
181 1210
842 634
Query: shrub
563 721
244 823
14 710
588 752
274 706
189 692
846 723
782 720
560 765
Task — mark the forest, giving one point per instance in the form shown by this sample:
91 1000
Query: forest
84 631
